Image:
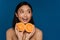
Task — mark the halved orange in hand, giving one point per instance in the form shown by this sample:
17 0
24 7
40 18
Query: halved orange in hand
29 27
20 26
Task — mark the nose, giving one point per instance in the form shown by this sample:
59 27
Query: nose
25 15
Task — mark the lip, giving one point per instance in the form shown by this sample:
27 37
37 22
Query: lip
25 19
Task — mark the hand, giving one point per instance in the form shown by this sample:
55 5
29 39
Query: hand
29 35
19 34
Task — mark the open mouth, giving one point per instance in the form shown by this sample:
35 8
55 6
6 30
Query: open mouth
25 19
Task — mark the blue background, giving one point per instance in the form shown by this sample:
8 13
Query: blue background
46 14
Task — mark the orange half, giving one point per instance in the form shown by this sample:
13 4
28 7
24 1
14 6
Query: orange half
29 27
20 26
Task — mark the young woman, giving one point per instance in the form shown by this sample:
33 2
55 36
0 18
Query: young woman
23 13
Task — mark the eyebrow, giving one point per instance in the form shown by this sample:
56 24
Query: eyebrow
28 9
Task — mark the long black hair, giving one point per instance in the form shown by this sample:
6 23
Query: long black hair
15 19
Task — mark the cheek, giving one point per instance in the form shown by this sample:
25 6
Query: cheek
29 15
20 15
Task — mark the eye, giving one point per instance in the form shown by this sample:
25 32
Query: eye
29 11
21 11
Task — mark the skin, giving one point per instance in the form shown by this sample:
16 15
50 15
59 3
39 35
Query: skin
24 15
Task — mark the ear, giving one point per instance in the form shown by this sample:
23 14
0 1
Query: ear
16 14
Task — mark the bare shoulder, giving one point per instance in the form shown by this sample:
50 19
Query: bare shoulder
38 30
38 34
10 31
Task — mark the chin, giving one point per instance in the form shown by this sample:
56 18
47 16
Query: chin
25 22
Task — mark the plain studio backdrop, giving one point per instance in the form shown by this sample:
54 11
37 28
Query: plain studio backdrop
46 14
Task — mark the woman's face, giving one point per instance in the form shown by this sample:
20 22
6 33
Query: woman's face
24 14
